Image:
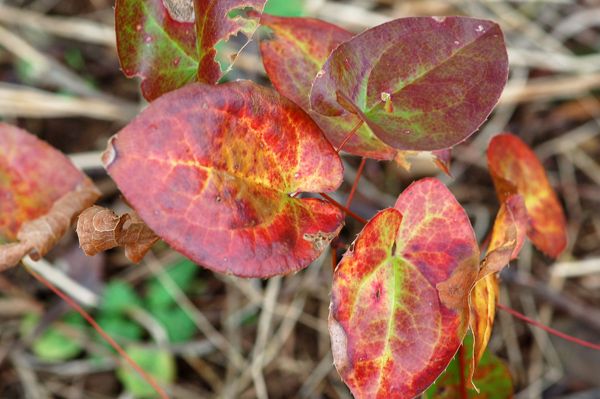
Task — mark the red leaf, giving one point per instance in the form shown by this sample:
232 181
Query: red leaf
213 25
442 158
157 40
210 169
293 53
399 305
515 169
419 83
33 175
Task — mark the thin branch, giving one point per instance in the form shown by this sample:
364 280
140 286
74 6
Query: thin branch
104 335
548 329
343 208
350 135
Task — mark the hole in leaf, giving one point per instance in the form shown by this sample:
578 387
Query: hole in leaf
394 249
180 10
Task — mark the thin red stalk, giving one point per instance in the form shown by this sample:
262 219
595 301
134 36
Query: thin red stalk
548 329
461 367
360 169
104 335
350 135
333 258
343 208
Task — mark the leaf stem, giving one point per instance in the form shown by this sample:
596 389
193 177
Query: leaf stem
350 135
343 208
548 329
461 367
360 169
104 335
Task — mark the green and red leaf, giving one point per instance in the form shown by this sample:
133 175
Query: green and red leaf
158 40
213 25
293 53
516 169
210 169
419 83
399 307
33 175
492 377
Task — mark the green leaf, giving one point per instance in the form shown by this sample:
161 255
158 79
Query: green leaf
118 297
117 326
52 344
285 8
182 273
159 364
178 324
491 377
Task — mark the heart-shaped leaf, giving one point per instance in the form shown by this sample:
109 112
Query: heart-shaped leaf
158 40
210 169
399 303
516 169
419 83
293 52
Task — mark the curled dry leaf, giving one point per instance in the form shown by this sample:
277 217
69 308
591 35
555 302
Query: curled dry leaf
41 192
100 229
38 236
507 238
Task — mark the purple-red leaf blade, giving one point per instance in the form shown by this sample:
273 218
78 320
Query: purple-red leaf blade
420 83
293 52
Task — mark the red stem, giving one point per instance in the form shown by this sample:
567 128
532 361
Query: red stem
461 367
343 208
350 135
548 329
90 320
360 169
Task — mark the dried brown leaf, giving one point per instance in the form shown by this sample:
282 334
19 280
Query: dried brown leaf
38 236
100 229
